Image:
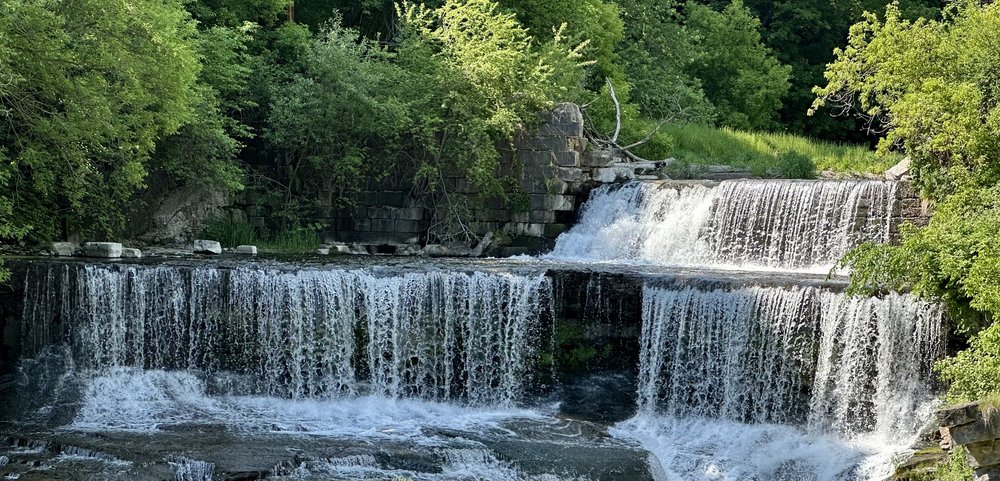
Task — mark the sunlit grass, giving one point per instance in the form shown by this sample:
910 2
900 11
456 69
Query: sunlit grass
763 153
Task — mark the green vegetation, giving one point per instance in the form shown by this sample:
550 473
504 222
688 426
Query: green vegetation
932 86
301 103
957 468
766 154
233 231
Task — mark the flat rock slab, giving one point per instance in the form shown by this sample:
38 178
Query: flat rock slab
246 250
107 250
131 253
62 249
202 246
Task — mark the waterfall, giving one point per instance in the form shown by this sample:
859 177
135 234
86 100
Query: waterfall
780 366
783 224
309 333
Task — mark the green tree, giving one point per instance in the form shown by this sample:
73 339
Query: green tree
657 55
740 76
475 77
87 89
596 22
204 150
931 86
337 122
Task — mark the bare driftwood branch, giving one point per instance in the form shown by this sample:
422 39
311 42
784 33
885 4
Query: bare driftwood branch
625 150
618 111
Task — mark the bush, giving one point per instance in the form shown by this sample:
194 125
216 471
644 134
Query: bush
230 231
975 372
794 165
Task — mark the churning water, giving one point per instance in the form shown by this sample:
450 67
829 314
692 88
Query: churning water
443 374
773 383
795 225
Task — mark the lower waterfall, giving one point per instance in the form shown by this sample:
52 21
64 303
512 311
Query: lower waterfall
773 383
468 337
439 373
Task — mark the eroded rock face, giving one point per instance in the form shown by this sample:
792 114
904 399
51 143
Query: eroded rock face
975 428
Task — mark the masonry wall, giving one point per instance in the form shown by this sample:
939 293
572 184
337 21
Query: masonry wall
552 165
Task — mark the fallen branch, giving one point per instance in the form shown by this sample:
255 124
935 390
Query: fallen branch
618 110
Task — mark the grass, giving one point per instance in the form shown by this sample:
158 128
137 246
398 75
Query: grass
231 232
764 154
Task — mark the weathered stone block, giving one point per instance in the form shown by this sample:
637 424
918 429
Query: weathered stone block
323 251
974 432
597 158
567 159
62 249
131 253
543 216
381 212
410 226
526 229
520 217
958 414
551 202
410 213
565 118
579 144
613 174
899 171
558 143
991 473
570 174
246 250
392 199
984 454
203 246
363 225
108 250
383 225
554 230
532 159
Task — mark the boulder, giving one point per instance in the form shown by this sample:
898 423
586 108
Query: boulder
202 246
131 253
246 250
62 249
340 248
107 250
899 171
323 251
439 250
407 250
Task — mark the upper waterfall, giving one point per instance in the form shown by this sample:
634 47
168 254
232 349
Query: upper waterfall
775 224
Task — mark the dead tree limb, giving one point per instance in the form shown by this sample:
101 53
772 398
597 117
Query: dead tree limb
618 111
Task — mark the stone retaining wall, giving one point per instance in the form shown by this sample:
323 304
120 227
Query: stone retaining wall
553 167
978 430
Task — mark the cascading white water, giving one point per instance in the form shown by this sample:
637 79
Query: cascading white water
782 224
779 368
301 334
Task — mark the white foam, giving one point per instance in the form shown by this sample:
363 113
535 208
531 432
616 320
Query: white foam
704 449
741 224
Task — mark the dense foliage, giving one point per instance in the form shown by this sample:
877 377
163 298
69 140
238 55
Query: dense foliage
88 88
98 96
932 87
